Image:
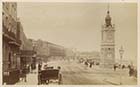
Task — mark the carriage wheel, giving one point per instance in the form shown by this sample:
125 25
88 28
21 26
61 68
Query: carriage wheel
38 83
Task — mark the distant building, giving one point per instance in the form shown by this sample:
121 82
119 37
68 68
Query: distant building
11 43
69 53
47 50
108 43
41 47
93 55
56 50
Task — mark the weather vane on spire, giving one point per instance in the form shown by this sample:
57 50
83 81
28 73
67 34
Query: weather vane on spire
108 8
108 18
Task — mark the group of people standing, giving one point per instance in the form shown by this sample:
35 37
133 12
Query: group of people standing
119 66
132 70
90 64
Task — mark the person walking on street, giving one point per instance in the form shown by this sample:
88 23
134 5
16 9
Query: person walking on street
86 64
91 63
131 70
39 67
123 66
115 66
23 73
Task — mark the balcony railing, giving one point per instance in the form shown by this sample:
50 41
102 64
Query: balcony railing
11 34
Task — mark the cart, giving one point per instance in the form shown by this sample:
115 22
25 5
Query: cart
45 76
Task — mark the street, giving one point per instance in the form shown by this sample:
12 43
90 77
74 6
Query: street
69 44
74 73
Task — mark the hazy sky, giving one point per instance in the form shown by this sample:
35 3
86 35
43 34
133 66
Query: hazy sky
78 25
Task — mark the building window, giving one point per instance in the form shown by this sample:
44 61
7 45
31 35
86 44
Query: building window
6 22
3 18
12 5
7 6
9 60
3 13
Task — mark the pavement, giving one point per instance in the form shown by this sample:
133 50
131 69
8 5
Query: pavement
32 79
74 73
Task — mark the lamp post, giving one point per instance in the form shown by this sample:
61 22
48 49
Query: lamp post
121 51
34 56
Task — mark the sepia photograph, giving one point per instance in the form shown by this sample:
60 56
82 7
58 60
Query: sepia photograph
69 43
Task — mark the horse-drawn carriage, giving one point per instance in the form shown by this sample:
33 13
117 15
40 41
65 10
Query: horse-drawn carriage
45 76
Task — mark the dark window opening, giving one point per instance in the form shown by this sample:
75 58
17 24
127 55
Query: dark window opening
9 65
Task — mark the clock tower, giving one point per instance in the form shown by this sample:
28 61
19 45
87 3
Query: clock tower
108 43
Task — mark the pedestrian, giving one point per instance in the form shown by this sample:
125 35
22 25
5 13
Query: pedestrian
115 66
23 73
28 68
91 63
131 70
86 64
60 74
123 66
135 72
39 67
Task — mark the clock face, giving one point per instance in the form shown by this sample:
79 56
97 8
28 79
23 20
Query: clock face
109 55
110 36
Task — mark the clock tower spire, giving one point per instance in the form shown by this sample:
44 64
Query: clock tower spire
108 42
108 18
